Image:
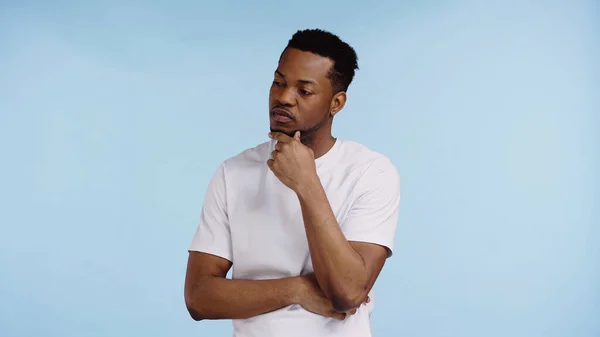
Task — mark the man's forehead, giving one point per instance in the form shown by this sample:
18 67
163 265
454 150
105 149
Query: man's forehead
303 65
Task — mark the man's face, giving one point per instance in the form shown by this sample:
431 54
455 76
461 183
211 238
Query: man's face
301 94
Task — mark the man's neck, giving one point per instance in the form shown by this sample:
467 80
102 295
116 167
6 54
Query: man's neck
321 145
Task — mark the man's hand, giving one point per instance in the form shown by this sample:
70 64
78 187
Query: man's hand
314 300
293 163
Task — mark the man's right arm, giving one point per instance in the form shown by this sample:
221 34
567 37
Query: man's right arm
210 295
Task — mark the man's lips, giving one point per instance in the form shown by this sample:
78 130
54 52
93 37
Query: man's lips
281 115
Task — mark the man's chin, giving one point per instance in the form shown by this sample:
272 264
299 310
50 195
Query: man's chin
287 132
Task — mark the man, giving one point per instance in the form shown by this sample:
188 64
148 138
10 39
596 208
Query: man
305 219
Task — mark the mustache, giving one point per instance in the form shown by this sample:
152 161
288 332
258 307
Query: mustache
280 110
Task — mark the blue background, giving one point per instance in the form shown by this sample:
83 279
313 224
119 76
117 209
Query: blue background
114 115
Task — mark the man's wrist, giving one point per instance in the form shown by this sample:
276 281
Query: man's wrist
308 187
297 290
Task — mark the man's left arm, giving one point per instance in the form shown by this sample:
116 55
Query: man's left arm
348 257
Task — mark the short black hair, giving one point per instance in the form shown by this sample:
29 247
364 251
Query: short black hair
326 44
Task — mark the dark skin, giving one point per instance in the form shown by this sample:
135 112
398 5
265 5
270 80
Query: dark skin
210 295
302 88
344 271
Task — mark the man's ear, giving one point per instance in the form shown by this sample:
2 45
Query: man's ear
337 103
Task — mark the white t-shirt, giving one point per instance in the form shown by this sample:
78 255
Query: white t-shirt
251 219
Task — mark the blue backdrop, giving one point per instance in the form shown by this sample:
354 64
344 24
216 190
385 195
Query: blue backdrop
114 115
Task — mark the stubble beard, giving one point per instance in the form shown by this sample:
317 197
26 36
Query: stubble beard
306 134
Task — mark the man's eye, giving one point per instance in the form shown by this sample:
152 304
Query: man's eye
305 93
278 84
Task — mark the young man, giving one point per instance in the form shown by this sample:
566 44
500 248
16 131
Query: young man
306 220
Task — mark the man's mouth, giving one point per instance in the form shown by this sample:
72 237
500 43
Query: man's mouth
281 116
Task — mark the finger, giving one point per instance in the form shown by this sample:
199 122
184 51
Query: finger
279 146
282 137
297 135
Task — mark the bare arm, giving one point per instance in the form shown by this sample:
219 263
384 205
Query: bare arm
209 295
346 271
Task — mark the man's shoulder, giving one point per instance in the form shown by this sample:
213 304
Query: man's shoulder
360 155
375 171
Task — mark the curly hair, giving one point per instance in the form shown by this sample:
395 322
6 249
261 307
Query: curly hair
326 44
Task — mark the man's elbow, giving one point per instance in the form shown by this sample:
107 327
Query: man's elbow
194 314
194 309
350 300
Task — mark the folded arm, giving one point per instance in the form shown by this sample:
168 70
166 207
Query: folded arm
347 264
346 271
209 295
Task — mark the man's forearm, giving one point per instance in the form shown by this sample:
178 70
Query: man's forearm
221 298
339 269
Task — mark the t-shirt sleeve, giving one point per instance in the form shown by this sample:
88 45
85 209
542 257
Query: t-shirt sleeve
213 235
373 217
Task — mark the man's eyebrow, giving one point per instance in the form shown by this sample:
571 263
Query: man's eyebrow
301 81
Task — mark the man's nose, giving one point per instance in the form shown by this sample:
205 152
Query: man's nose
287 97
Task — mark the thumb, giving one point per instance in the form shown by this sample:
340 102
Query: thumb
297 135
